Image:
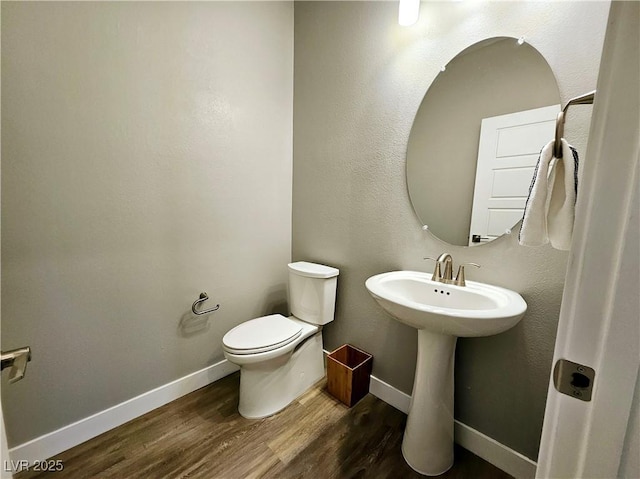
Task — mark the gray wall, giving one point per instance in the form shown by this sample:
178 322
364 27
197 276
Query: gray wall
630 459
359 80
146 157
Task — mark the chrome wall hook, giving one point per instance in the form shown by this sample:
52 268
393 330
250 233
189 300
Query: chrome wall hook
203 297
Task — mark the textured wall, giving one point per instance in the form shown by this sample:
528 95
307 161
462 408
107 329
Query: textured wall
146 156
359 79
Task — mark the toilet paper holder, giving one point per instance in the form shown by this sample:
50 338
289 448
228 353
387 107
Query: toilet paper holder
203 297
17 360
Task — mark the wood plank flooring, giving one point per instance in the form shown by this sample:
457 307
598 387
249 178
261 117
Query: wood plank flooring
201 435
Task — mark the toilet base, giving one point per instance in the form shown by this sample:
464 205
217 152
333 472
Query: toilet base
270 386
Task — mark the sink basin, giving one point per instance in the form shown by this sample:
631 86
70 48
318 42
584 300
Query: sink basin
476 309
441 313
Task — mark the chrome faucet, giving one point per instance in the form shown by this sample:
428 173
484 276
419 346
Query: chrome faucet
443 261
443 272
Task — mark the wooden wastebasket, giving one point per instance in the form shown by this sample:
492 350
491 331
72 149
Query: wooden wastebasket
348 374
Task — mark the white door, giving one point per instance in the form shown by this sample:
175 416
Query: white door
598 325
507 155
6 471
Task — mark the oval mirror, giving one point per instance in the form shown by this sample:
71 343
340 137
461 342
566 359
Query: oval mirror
476 138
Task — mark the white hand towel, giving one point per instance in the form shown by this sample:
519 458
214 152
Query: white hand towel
533 231
550 208
564 187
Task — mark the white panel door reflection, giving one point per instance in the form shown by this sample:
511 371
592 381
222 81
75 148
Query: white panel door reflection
507 156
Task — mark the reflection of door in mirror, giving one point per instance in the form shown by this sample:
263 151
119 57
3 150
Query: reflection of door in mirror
496 76
507 155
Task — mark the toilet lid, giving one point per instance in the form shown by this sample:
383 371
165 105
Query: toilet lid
261 334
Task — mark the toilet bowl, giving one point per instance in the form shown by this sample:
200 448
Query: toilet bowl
281 357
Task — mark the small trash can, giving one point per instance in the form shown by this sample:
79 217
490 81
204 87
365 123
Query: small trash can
348 374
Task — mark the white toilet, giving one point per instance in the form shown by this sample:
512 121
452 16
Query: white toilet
280 358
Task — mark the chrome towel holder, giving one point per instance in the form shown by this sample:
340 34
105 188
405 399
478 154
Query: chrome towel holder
586 99
203 297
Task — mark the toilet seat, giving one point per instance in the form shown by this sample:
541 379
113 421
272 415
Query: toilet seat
261 335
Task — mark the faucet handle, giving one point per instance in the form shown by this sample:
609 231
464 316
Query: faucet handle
437 274
459 281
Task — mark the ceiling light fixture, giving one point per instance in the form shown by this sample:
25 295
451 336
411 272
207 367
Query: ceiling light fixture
408 12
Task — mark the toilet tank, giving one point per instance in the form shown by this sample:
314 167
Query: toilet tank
312 291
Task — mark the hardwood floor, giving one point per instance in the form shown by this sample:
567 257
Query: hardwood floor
201 435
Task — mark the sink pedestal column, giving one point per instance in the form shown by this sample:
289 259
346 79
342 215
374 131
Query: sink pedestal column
427 445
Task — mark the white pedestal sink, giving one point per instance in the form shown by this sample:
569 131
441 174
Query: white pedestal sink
441 313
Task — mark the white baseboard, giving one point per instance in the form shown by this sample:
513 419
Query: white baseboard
489 449
389 394
55 442
69 436
501 456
